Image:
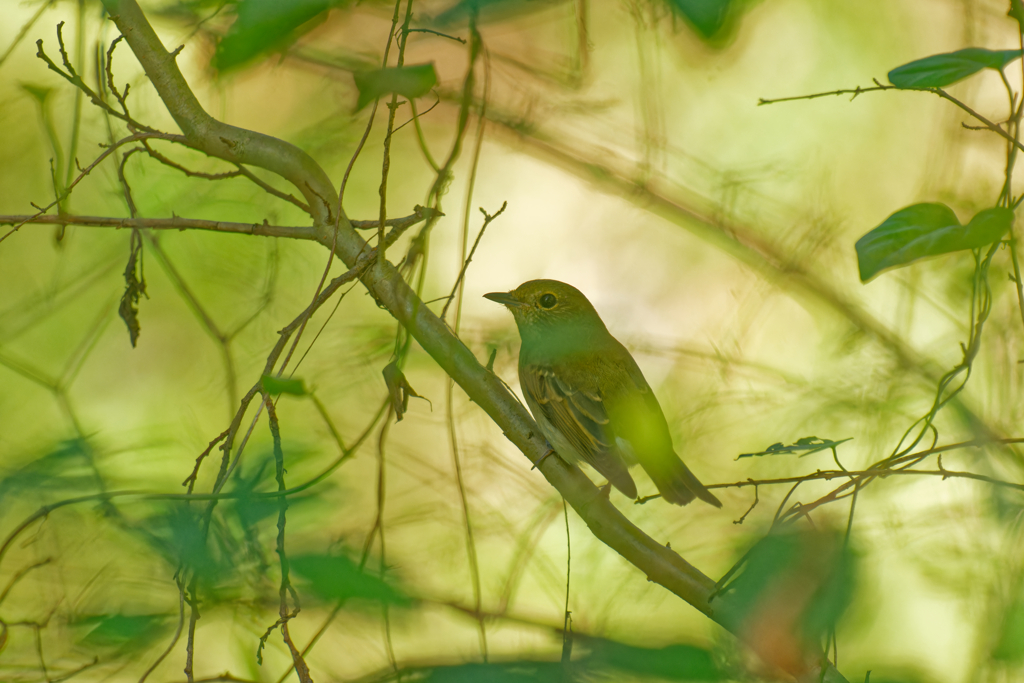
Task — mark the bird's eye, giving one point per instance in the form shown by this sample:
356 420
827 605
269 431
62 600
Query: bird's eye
548 301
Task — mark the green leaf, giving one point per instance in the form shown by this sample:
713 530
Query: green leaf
336 577
119 630
672 663
803 446
1017 13
265 26
277 385
408 81
707 17
924 230
941 70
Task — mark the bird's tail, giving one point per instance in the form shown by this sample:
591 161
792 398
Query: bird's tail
677 484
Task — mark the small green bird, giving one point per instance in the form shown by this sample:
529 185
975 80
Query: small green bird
588 395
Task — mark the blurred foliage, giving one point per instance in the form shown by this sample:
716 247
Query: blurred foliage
277 385
264 26
407 81
119 631
336 577
792 588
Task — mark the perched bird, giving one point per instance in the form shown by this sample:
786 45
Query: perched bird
588 395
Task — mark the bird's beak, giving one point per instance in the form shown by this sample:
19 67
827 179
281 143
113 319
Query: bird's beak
504 298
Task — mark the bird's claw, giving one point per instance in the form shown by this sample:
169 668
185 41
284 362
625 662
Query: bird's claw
538 461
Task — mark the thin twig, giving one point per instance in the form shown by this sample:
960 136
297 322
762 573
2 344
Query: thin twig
462 273
436 33
995 128
298 232
135 137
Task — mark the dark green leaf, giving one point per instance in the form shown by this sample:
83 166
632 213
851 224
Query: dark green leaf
335 577
673 663
264 26
803 446
278 385
408 81
707 17
938 71
924 230
119 630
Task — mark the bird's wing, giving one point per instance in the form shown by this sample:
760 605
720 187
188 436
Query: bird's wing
578 413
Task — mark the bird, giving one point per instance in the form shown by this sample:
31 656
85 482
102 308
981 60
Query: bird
588 395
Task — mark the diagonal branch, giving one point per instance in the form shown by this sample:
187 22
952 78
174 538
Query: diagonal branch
661 564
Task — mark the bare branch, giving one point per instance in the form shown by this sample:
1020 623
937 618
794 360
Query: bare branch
300 232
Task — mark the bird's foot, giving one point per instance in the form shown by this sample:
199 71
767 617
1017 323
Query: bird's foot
539 460
606 490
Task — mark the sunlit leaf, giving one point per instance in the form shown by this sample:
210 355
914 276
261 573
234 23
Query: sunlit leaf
408 81
938 71
264 26
336 577
119 630
707 17
924 230
671 663
280 385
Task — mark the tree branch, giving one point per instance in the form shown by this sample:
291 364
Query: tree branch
660 564
296 232
302 232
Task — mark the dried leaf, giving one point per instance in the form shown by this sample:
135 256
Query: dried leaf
399 389
135 287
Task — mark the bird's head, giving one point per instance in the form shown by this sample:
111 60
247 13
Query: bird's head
541 307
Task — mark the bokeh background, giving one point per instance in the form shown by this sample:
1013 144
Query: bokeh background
715 237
